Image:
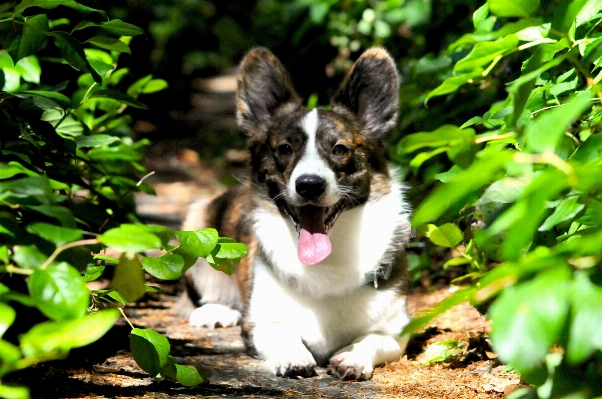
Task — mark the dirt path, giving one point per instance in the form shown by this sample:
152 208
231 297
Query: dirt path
107 370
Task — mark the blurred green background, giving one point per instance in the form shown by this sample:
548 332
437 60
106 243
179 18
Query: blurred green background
317 40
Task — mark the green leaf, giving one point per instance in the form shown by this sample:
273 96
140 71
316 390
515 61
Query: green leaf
189 260
585 328
93 272
29 256
67 126
448 235
167 267
520 222
565 14
14 392
453 83
154 86
61 336
58 98
230 249
130 238
444 136
7 317
128 278
50 4
422 318
31 39
109 43
590 150
566 210
188 376
59 292
546 132
512 8
149 349
198 243
56 234
96 140
73 52
118 96
527 319
461 187
486 52
120 28
9 354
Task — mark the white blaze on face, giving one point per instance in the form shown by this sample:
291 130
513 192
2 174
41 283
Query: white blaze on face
311 163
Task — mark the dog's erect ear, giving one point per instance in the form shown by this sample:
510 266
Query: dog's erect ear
263 87
371 92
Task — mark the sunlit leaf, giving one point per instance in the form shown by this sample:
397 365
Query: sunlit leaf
566 210
59 292
484 53
545 132
109 43
130 238
58 235
198 243
585 331
7 317
149 349
62 336
527 319
512 8
448 235
166 267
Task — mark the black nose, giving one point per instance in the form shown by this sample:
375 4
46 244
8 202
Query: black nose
310 186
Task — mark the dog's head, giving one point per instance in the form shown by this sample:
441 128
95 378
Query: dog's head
313 164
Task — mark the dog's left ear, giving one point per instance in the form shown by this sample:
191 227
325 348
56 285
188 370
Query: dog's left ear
263 87
371 92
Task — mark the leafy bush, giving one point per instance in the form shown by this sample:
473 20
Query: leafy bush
522 190
68 170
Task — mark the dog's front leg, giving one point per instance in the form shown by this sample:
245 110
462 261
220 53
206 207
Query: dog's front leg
284 353
356 361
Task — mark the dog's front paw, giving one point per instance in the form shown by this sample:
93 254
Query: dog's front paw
299 365
351 366
213 315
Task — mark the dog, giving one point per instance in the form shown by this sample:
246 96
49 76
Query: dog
325 222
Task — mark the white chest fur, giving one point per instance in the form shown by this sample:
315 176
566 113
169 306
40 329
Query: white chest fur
360 238
327 305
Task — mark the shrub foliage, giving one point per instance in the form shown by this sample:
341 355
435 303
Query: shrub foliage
68 170
522 189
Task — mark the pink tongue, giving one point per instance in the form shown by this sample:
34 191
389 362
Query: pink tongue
314 244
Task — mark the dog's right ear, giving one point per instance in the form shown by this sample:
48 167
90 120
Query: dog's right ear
263 87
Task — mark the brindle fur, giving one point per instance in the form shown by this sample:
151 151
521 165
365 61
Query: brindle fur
364 111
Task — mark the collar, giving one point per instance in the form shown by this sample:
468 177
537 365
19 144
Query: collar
382 272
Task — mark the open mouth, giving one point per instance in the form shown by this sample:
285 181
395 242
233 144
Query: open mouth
313 224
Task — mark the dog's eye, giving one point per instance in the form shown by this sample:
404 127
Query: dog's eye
284 150
339 150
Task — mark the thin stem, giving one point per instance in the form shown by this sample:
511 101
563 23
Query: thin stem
480 140
64 247
549 158
16 270
125 317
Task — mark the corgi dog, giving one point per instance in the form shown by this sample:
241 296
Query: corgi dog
325 222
